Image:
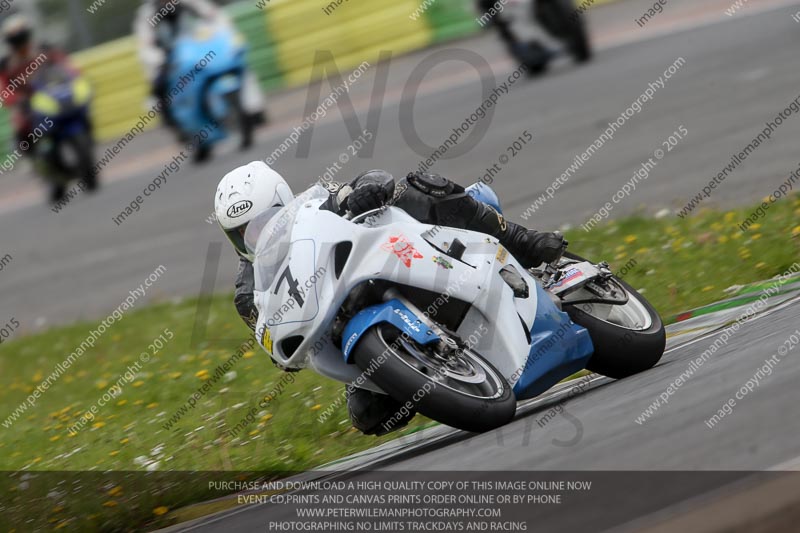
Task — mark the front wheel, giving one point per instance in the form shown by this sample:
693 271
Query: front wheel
459 388
627 339
83 145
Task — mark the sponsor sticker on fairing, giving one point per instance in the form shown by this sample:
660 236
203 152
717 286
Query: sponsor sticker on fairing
569 275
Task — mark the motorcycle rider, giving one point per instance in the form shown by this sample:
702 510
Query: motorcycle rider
158 24
18 66
428 197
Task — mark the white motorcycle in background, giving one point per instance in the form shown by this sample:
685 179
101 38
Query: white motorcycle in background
440 317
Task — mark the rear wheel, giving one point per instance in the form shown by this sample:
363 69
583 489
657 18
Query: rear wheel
458 388
238 120
561 20
628 338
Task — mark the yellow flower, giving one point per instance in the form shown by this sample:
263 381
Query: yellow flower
175 375
729 216
266 417
202 374
761 264
722 239
122 402
113 453
37 376
101 384
158 511
55 438
152 405
796 231
316 407
757 236
115 491
708 288
755 226
110 503
37 459
248 355
126 440
138 383
98 425
138 402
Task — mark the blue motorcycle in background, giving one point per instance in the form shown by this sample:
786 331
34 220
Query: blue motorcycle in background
61 142
207 68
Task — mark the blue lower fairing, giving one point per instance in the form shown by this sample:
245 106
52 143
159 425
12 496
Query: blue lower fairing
393 312
559 348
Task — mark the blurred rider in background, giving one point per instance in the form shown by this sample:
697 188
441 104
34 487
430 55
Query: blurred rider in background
158 24
24 58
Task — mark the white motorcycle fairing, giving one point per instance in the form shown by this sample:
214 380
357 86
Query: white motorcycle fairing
309 260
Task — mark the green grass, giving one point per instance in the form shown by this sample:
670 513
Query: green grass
685 263
680 264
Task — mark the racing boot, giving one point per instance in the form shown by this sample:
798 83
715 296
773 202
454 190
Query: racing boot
376 414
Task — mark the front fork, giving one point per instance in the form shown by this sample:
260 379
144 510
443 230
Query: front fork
449 342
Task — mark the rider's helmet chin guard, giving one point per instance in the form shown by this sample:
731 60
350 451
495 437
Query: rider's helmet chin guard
244 194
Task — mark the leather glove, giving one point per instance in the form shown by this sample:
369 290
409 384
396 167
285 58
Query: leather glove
365 197
541 247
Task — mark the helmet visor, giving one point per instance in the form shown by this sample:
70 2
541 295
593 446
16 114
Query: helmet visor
236 236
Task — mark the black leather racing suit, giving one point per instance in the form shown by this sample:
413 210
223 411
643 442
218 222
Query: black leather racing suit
429 198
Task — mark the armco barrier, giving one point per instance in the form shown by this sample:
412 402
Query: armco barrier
352 32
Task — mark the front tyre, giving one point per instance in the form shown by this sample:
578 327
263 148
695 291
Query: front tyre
460 389
83 145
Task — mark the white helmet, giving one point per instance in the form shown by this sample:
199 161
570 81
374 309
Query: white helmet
243 194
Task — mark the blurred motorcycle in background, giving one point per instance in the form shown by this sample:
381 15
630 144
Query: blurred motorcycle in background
62 143
222 99
559 27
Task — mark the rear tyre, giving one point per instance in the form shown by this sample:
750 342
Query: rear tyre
463 391
240 120
57 193
561 20
621 350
